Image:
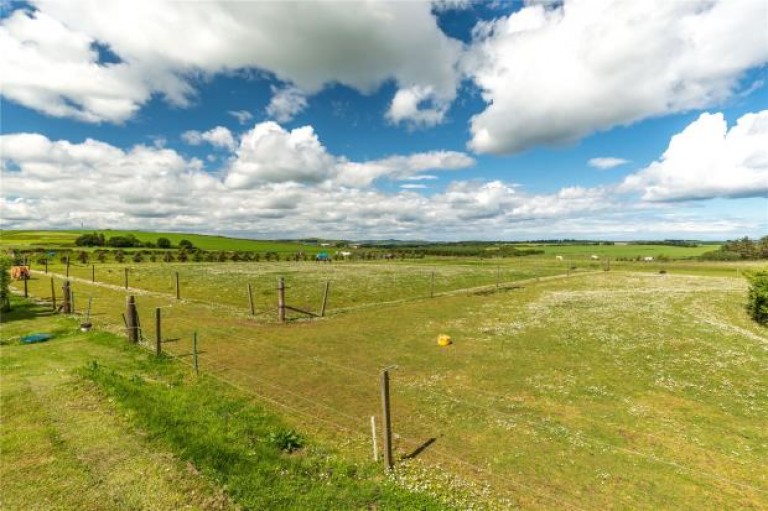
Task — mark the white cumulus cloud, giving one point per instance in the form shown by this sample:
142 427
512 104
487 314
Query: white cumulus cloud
271 154
218 137
606 162
419 106
554 74
49 62
286 103
708 160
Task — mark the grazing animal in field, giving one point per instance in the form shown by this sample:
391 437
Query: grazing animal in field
595 257
648 259
559 258
20 272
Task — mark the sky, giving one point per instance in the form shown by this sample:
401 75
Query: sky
417 120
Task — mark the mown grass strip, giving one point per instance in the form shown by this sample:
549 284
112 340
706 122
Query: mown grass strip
242 447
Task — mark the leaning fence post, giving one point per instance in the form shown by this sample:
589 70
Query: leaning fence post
53 295
250 300
387 419
325 298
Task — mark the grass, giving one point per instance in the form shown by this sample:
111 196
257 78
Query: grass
131 432
622 389
63 444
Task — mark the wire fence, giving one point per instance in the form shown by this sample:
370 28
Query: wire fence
227 342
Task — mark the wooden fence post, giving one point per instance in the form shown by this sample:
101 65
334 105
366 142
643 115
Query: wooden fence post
53 295
281 300
387 419
93 273
158 334
46 266
178 288
72 301
132 320
67 266
126 278
194 352
325 298
250 300
432 285
66 306
373 436
26 290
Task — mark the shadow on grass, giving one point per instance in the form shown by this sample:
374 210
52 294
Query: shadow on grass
23 309
420 449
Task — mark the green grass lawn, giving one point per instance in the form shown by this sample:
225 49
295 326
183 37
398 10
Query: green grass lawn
91 423
627 388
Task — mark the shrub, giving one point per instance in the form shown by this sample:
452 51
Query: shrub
286 440
757 296
5 281
124 241
163 243
90 240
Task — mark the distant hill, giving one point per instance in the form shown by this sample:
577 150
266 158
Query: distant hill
66 239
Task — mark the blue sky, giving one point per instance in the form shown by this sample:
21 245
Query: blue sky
414 120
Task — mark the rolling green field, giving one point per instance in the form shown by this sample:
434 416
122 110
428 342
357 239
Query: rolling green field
563 388
66 239
622 250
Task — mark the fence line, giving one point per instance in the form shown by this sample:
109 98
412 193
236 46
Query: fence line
651 457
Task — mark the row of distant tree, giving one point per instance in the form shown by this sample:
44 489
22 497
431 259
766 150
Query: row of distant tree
741 249
127 241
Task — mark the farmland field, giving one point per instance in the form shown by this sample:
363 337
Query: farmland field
563 388
66 239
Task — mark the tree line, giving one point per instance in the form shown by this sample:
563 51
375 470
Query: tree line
741 249
128 241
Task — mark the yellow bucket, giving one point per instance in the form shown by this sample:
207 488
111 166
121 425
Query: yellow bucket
444 340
